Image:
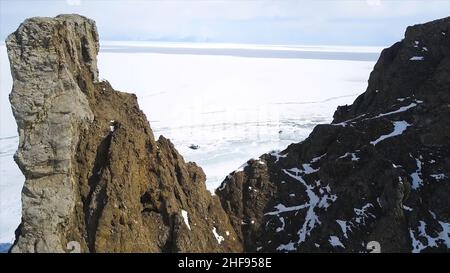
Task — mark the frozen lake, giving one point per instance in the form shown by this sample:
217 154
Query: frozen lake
234 101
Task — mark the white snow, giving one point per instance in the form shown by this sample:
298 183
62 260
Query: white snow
314 201
416 176
416 58
379 202
401 109
334 241
432 214
287 247
439 176
399 128
283 223
344 227
277 155
360 219
354 157
308 169
227 104
346 123
280 208
186 218
233 107
441 238
407 208
363 214
218 237
111 126
317 158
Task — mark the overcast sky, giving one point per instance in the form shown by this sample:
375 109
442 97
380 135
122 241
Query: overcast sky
371 22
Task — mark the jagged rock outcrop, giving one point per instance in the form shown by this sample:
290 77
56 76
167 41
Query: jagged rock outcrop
380 172
94 172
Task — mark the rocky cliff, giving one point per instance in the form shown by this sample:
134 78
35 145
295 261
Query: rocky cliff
376 178
95 176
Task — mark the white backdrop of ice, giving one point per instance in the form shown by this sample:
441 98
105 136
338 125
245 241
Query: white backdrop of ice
233 107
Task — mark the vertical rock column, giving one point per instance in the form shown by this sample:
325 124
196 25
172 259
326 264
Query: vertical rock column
50 109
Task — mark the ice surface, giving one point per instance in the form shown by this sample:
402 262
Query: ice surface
11 178
234 101
234 108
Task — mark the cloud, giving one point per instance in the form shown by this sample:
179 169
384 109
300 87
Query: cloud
239 21
73 2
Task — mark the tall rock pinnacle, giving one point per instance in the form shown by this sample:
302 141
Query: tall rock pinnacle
95 176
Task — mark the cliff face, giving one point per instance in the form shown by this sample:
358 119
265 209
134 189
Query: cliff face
94 172
380 172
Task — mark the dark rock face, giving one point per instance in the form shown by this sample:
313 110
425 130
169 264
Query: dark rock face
380 172
94 172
